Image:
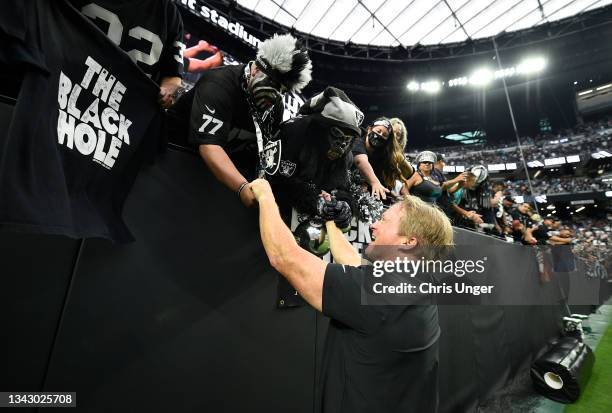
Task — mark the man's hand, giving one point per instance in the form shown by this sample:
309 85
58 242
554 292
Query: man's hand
225 171
379 191
474 217
496 198
460 178
337 211
248 198
167 91
258 190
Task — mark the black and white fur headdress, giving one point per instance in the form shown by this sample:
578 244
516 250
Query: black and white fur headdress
285 61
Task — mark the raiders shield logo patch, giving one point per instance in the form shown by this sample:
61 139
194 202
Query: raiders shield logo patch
287 168
359 118
271 157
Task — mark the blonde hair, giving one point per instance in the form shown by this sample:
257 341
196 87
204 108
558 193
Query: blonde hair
394 165
426 222
402 139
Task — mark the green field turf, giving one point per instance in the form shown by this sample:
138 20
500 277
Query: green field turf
597 397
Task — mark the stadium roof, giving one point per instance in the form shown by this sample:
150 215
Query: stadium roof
414 22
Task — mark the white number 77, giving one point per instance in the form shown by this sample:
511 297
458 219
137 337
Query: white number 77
216 124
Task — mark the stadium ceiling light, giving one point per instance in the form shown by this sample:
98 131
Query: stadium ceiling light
604 86
481 77
413 86
531 65
433 86
580 209
585 92
507 72
460 81
609 194
551 206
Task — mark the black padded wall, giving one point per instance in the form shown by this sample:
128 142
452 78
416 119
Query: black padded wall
185 318
35 273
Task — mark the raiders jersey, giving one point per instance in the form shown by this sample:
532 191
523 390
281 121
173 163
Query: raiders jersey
80 131
474 200
212 109
149 31
297 165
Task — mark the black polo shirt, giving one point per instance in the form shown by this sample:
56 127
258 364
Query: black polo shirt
377 358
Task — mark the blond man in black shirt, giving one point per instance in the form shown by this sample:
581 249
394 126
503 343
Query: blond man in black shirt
377 358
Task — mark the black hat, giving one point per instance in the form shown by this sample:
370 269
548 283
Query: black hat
333 106
440 157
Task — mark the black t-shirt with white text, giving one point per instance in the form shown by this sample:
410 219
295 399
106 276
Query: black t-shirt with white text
81 130
377 358
149 31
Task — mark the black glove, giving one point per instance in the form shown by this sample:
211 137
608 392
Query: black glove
337 211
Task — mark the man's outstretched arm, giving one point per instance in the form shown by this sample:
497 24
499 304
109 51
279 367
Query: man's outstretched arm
342 250
225 171
303 270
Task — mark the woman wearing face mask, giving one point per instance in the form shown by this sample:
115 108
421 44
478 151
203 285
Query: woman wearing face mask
380 158
426 184
422 183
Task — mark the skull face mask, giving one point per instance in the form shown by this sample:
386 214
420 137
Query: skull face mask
339 143
266 93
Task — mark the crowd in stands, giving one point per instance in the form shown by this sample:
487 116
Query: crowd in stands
560 185
490 206
592 231
593 244
584 140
